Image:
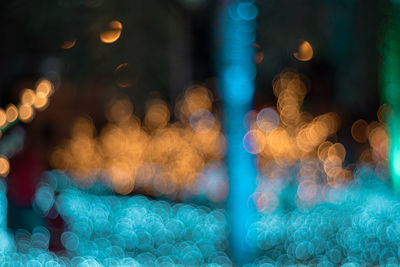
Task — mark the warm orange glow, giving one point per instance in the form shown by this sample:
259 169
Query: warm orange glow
299 135
378 140
68 44
159 157
337 150
195 97
305 52
45 88
4 166
202 121
41 101
26 113
28 97
259 56
119 110
121 66
11 113
3 118
360 130
323 150
157 115
113 33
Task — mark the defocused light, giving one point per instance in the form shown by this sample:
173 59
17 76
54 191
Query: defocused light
113 33
68 44
3 118
44 88
307 190
4 166
359 131
159 157
41 101
253 142
323 150
247 11
259 56
267 120
249 120
157 114
337 150
195 97
123 77
202 121
119 110
28 97
384 113
11 113
305 52
26 113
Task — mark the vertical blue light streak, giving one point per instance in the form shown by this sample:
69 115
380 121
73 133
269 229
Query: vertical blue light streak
5 240
237 73
391 86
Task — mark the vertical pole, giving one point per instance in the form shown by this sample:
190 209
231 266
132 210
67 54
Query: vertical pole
391 86
236 82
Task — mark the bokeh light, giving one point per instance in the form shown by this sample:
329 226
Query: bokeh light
3 118
4 166
158 156
359 131
26 113
267 120
11 113
113 32
68 44
305 51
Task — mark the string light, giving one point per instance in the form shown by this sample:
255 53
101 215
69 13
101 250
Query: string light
25 112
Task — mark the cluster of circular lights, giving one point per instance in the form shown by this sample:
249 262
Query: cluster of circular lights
30 101
104 229
356 226
155 154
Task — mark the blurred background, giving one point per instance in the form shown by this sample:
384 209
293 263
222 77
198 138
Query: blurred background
125 93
